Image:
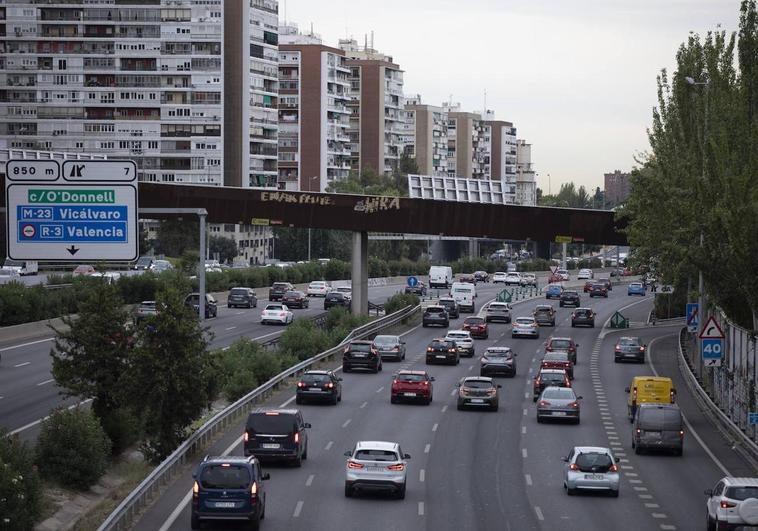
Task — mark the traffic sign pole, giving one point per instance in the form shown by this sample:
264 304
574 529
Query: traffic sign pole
711 343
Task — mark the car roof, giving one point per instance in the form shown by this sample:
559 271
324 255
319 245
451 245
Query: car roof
633 338
591 449
740 481
584 308
543 307
435 306
420 373
559 338
498 303
318 372
361 342
477 379
227 459
464 332
447 299
147 302
498 349
377 445
279 411
554 370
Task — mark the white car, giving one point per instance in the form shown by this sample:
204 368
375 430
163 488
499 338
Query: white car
346 290
110 277
732 502
513 278
318 288
563 273
529 279
585 274
590 468
376 465
463 340
499 276
525 326
276 313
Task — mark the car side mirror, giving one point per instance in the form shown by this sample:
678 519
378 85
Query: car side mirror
265 476
565 459
339 379
626 389
708 492
194 475
499 386
458 385
579 397
431 378
406 456
348 453
306 425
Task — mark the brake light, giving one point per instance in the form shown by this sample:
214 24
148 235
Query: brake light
282 314
544 403
538 381
451 350
297 437
424 383
681 434
301 384
573 466
429 349
642 349
727 504
574 404
634 395
254 489
614 468
354 465
396 468
195 493
639 431
246 437
329 385
671 393
618 349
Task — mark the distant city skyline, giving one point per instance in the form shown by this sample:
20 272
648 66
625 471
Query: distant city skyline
578 80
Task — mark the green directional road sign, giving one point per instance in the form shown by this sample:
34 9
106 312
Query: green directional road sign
619 321
504 296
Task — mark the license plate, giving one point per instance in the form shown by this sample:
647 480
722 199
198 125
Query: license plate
226 505
559 413
653 433
359 355
594 476
270 446
438 356
409 394
477 401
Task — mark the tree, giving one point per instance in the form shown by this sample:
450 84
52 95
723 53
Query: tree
144 243
20 486
177 235
172 376
225 247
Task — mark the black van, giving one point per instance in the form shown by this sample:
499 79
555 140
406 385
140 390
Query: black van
658 427
276 434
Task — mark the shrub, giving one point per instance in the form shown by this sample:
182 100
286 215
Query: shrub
337 270
400 301
303 340
246 365
73 448
20 486
123 428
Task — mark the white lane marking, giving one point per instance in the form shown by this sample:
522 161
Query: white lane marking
444 408
421 475
421 508
230 328
708 451
523 453
298 508
528 478
525 412
652 505
436 425
523 429
225 348
23 364
640 489
364 405
25 344
526 395
238 313
329 445
645 496
538 511
471 368
452 393
426 448
344 424
635 481
667 526
380 389
658 515
309 481
35 422
46 382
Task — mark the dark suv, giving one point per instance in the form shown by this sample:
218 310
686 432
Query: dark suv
335 298
361 354
451 306
583 316
319 385
229 488
569 298
435 315
442 351
211 306
278 289
276 434
242 297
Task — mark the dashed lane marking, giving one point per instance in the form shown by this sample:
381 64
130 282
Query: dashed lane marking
421 508
329 445
380 389
309 481
421 475
230 328
658 515
298 508
444 408
436 425
523 453
23 364
528 479
523 430
364 405
538 511
46 382
344 424
426 448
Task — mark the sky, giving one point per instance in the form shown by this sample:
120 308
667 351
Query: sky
576 77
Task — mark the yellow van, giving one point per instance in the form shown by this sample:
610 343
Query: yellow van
647 389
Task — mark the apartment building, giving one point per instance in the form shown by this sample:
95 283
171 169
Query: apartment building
526 182
425 136
376 108
617 188
503 150
314 147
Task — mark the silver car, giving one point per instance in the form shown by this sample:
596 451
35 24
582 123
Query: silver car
498 311
463 340
558 403
390 347
525 327
376 465
591 468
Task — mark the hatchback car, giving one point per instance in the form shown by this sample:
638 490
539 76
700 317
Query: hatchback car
451 305
513 279
525 327
463 341
544 314
390 347
347 291
583 317
211 305
553 291
585 274
607 282
412 385
499 277
558 403
479 392
242 298
318 288
467 279
558 359
228 488
319 385
477 326
418 289
83 270
376 465
276 434
481 276
146 309
159 266
629 348
636 288
588 286
498 311
563 343
549 377
732 503
529 279
435 315
278 289
591 468
598 290
336 299
442 350
563 273
276 313
361 354
569 298
496 361
295 299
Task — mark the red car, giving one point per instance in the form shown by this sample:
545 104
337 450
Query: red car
554 278
588 286
562 343
477 326
412 385
558 359
468 279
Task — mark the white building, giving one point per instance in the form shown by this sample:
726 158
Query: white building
526 184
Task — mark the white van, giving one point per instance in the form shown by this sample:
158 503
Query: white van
21 267
440 276
464 294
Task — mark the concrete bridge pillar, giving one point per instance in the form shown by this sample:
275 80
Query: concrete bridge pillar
360 273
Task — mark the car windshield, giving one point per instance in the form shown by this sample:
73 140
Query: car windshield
435 310
238 291
635 285
593 462
524 321
541 309
315 378
410 377
559 393
274 308
271 423
318 284
441 344
360 347
462 290
293 294
742 493
225 476
629 342
582 313
386 340
570 293
497 353
560 344
477 384
498 307
375 455
474 321
552 377
556 356
335 296
344 289
447 303
280 285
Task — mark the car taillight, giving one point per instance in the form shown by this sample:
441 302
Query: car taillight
354 465
301 384
544 403
491 392
574 404
618 349
681 434
451 350
634 394
573 466
727 504
537 381
424 383
396 468
573 315
614 468
282 314
246 436
254 489
430 349
639 431
297 437
195 493
396 349
671 394
330 385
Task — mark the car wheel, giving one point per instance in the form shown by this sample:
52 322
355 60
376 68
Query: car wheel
335 399
460 407
401 492
679 452
393 400
305 453
339 397
495 407
423 325
539 419
429 401
380 368
345 368
614 493
298 461
486 336
570 491
298 400
637 450
710 523
482 373
615 359
194 521
348 491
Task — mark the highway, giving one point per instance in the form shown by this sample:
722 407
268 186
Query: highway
481 470
28 391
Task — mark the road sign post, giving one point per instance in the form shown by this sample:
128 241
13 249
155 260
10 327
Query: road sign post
82 211
412 281
692 317
712 343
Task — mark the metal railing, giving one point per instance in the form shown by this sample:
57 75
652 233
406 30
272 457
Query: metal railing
133 504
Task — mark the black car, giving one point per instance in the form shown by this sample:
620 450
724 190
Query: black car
319 385
607 282
481 276
276 434
418 289
598 290
211 305
569 298
295 299
583 316
547 378
498 360
435 315
237 482
441 350
629 348
242 298
278 289
451 305
335 298
361 354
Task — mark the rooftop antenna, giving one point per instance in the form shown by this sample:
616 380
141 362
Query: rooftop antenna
285 12
311 29
372 40
365 41
485 103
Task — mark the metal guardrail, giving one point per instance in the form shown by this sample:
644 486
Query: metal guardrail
741 442
130 507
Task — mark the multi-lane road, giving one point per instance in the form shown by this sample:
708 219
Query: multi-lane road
28 391
478 470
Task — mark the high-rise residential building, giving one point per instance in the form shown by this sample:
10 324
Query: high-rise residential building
526 183
465 141
314 149
426 136
503 154
617 188
376 105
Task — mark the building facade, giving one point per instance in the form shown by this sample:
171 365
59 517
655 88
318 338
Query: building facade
426 139
526 182
314 149
617 188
